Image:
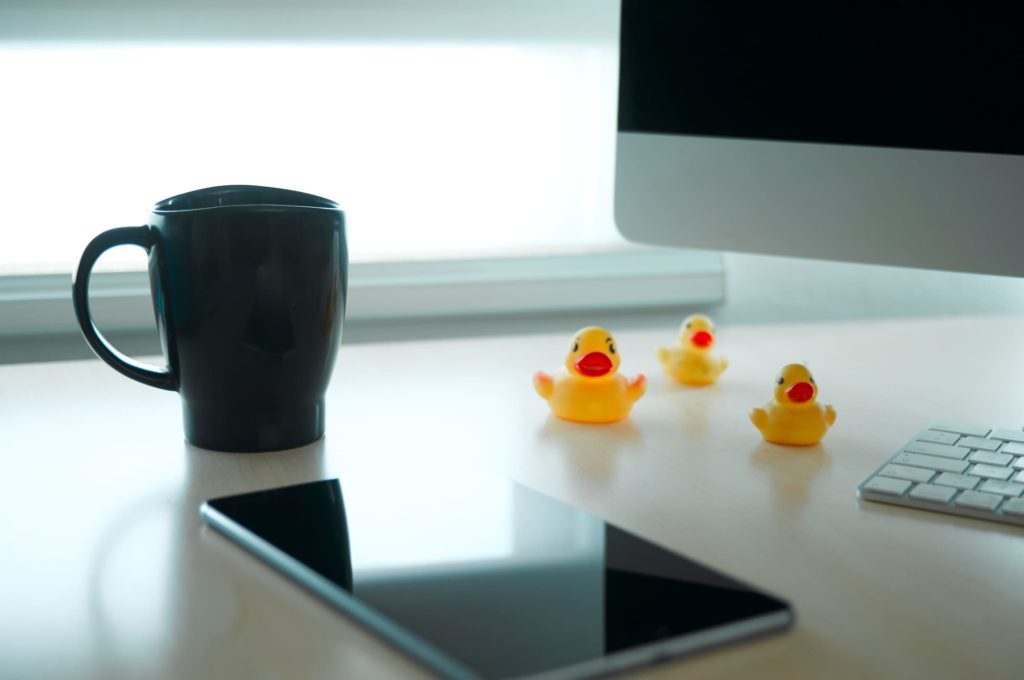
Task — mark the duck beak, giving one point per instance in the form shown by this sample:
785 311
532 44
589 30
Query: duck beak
593 364
702 339
800 392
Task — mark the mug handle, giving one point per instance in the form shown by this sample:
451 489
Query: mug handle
144 237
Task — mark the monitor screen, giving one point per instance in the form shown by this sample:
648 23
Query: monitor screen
910 74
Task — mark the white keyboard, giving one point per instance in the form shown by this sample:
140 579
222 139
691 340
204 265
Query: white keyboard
959 469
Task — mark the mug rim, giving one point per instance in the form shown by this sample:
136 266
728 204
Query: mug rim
277 198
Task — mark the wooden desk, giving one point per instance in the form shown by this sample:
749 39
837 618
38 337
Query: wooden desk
105 570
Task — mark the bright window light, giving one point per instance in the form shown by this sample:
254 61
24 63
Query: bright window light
484 534
433 151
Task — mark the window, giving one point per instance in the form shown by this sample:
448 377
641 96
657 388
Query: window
434 151
467 142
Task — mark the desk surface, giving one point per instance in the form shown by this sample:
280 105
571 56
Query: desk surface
106 570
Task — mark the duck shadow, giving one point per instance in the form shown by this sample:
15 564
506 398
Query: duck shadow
791 471
692 406
590 451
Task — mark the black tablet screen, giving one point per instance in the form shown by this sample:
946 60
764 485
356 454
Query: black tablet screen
501 579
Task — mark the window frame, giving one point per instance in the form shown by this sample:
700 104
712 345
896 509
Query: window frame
637 278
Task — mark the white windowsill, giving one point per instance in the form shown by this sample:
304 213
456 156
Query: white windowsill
629 280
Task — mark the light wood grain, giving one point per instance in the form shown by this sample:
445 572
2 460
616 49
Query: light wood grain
106 570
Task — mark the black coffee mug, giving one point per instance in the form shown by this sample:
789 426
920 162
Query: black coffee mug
249 287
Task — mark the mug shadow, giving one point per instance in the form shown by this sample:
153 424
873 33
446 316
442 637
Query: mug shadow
190 602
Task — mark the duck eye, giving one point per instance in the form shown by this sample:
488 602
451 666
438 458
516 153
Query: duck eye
781 380
576 347
811 379
688 325
611 348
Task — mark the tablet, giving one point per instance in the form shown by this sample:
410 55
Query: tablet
490 579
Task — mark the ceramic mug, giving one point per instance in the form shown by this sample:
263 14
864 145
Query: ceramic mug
249 288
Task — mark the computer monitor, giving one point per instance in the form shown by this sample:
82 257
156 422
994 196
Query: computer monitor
881 132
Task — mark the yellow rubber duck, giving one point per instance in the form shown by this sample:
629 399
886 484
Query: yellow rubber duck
693 361
794 417
589 389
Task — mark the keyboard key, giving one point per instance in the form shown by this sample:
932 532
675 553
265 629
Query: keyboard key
936 437
1008 435
887 485
943 450
991 471
1014 448
979 443
931 462
959 428
956 481
978 500
904 472
1002 488
1019 463
932 493
1014 507
1019 477
990 458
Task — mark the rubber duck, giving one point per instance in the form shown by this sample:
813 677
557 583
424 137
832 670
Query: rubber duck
794 417
589 389
693 361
